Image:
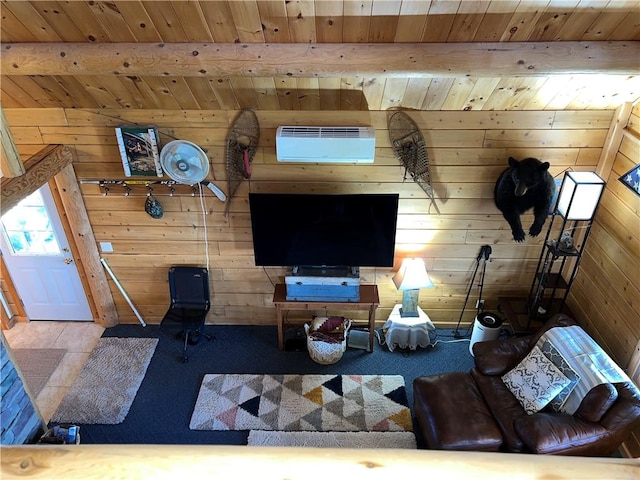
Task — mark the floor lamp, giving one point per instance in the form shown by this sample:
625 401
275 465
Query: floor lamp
578 200
411 277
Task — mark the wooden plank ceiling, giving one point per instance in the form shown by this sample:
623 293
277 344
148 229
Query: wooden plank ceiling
321 21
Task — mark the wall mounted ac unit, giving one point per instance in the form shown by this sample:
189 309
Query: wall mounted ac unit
325 144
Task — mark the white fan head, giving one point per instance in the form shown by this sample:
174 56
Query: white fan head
184 162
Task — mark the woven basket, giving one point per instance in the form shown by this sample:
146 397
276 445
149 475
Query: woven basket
326 353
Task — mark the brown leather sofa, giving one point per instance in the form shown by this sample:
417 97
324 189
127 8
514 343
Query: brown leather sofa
476 411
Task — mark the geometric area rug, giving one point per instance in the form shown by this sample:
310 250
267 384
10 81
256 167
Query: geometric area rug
108 383
325 403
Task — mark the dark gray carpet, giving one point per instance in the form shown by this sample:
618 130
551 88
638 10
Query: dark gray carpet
162 409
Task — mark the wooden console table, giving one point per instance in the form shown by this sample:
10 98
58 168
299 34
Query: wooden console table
369 300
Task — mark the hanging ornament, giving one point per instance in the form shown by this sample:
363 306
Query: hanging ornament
153 207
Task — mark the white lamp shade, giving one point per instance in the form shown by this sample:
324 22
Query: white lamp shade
579 195
412 275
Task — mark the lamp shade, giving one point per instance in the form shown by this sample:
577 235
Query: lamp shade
579 195
412 275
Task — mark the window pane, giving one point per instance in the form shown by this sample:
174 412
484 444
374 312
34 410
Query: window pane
28 229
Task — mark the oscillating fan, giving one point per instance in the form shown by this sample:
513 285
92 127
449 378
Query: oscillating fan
187 163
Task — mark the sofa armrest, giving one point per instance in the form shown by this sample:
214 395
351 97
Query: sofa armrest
497 357
557 432
625 412
597 402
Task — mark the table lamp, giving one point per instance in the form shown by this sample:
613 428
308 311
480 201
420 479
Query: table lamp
411 277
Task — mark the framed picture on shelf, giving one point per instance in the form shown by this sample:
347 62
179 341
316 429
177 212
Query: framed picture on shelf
632 179
139 150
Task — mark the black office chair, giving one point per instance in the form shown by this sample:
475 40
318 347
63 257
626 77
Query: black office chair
189 289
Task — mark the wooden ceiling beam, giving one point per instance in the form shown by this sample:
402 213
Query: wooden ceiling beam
40 168
321 60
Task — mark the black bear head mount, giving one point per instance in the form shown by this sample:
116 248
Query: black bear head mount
527 174
524 185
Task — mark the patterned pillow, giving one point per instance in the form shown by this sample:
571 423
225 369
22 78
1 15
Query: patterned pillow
558 360
535 381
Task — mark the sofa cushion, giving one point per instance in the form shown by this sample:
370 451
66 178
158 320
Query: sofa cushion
535 381
596 403
497 357
558 433
503 406
552 353
452 414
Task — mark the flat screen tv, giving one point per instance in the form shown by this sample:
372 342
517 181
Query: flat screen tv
317 230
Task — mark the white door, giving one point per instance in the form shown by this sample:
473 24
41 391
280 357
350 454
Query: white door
37 254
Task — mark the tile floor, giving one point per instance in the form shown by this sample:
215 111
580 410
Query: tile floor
78 338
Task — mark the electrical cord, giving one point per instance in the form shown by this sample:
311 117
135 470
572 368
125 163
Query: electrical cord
450 341
268 276
433 341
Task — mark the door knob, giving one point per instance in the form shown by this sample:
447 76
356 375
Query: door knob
68 260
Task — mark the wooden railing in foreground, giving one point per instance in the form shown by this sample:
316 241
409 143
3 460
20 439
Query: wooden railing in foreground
185 461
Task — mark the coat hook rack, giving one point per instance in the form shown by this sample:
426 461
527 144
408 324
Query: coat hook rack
131 187
105 185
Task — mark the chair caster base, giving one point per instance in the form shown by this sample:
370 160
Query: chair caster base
191 337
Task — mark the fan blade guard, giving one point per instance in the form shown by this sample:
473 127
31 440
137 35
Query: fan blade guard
184 161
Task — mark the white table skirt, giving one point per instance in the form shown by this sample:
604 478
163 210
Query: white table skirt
407 332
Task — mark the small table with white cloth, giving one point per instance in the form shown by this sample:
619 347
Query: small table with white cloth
407 332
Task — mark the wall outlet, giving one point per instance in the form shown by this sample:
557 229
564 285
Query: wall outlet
479 303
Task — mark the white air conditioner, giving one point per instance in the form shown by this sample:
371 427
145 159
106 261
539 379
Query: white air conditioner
326 144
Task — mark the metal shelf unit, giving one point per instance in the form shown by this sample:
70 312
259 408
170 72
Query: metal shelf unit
557 268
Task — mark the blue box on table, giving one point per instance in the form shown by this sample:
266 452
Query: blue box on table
322 289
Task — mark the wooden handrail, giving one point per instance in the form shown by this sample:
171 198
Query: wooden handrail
266 463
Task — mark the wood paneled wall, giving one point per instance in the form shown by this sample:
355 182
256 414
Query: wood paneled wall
607 289
470 92
606 293
468 150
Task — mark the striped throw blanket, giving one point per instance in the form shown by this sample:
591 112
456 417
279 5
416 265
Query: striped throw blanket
586 358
